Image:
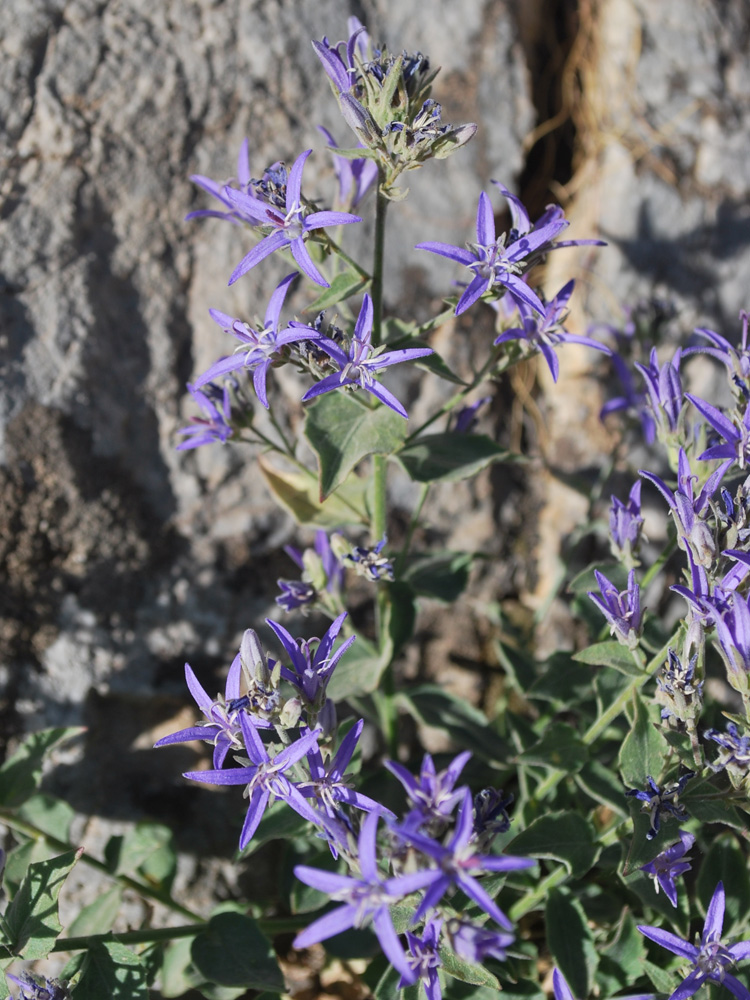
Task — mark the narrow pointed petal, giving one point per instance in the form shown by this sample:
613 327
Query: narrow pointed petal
474 290
328 384
715 915
259 252
715 417
670 941
255 810
317 220
294 181
305 262
276 301
363 325
333 923
222 367
391 945
195 687
386 396
232 776
447 250
485 221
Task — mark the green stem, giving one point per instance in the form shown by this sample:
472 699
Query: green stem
538 894
379 497
147 891
377 268
399 567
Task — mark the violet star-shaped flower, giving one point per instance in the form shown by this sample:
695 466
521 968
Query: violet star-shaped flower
260 348
263 778
622 609
215 425
424 958
736 359
710 959
311 670
664 388
457 864
626 523
502 260
432 795
670 865
358 364
735 752
289 227
661 800
222 726
687 508
474 943
544 330
366 898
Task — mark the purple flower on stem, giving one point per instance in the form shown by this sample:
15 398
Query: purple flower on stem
358 364
692 530
457 863
424 958
311 671
222 726
289 226
466 418
364 899
664 388
322 574
432 796
502 260
369 563
622 609
669 865
625 526
474 943
711 958
342 70
32 989
260 348
544 330
737 360
632 401
215 426
731 616
736 433
327 784
658 801
263 778
295 594
218 191
355 177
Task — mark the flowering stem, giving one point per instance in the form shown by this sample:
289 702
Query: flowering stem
538 894
398 569
377 267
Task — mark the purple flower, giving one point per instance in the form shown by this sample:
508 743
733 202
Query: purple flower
369 563
289 225
737 360
632 401
263 778
222 726
678 691
327 783
260 348
692 530
502 260
544 330
295 594
669 865
490 815
218 191
364 899
32 989
355 177
625 525
711 958
622 609
431 796
731 615
424 959
215 426
736 433
475 944
357 365
457 863
664 389
322 574
734 756
341 69
311 671
658 800
466 418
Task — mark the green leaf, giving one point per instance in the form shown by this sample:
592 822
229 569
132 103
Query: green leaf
99 916
560 746
18 862
467 972
450 457
663 981
177 971
440 575
31 920
564 836
610 654
644 750
466 725
347 283
342 432
400 618
113 971
570 941
725 863
232 951
715 811
358 672
49 814
139 844
626 952
20 774
299 494
603 787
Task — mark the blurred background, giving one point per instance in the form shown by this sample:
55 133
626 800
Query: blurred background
121 558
